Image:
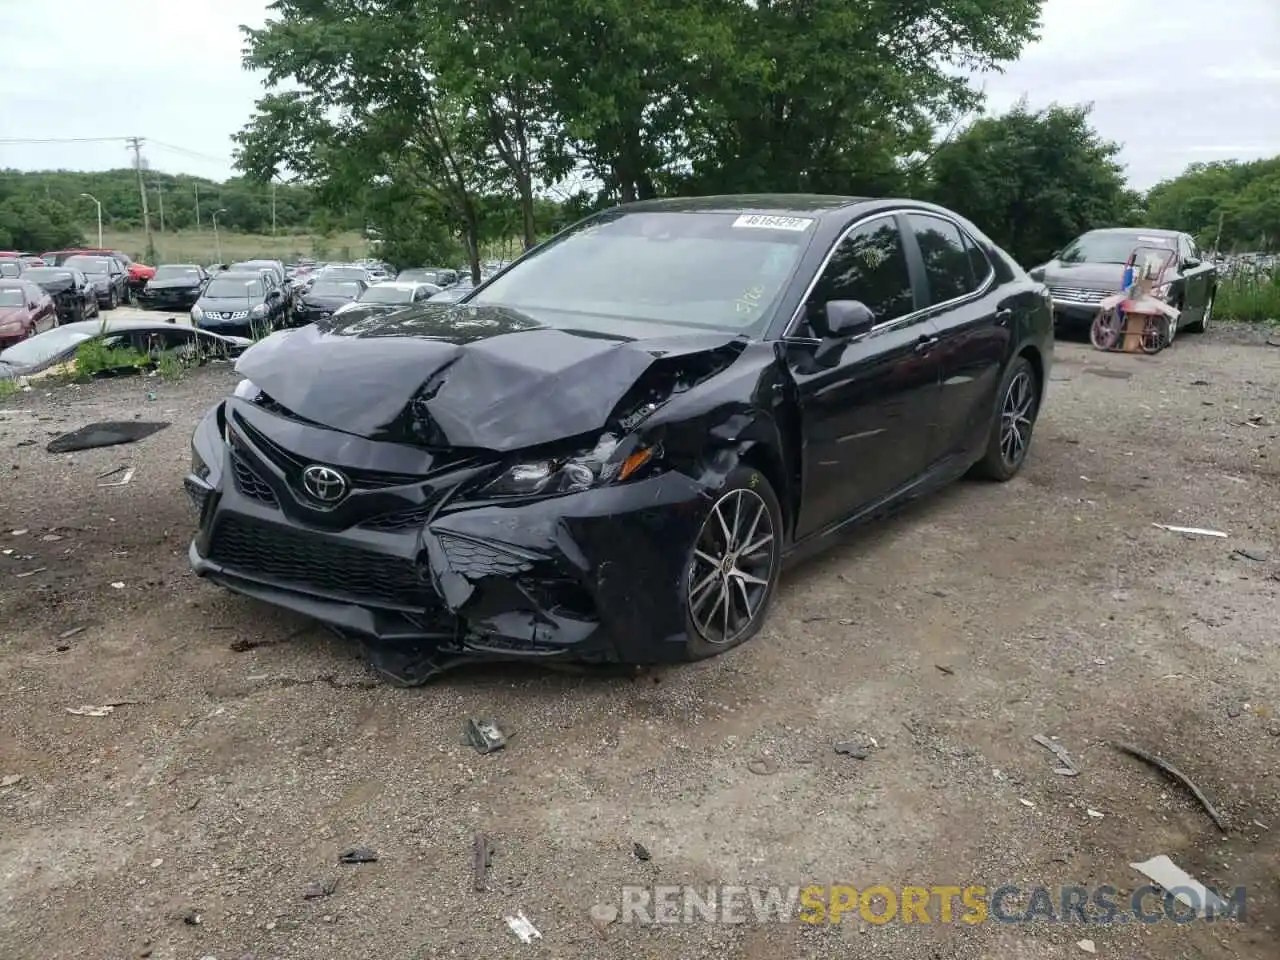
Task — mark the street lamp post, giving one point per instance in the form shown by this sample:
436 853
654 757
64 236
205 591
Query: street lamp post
99 206
216 242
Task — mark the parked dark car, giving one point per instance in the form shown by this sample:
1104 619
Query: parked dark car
58 346
176 286
239 302
73 296
441 276
25 310
389 296
456 292
607 451
325 296
1091 268
106 275
138 273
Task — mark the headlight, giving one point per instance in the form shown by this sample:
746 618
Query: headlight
246 390
604 464
259 310
196 313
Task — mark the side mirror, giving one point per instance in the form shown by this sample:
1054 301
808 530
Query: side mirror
1190 263
847 319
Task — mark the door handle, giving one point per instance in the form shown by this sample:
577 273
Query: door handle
925 344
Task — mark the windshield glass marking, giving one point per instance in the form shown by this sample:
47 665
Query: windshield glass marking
760 221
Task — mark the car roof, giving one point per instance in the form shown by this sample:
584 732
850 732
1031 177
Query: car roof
119 326
402 285
1135 231
778 204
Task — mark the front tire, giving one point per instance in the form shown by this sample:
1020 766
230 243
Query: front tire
734 565
113 300
1013 423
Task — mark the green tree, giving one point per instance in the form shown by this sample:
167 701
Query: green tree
1242 198
1033 180
37 224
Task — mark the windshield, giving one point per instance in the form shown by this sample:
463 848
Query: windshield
44 347
37 274
93 266
233 287
252 266
329 287
177 273
1111 247
385 294
718 270
10 268
344 273
9 297
425 276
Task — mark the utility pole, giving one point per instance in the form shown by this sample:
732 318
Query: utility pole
160 191
273 208
1218 238
135 144
197 204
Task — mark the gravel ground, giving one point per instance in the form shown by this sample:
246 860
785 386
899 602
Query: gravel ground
248 749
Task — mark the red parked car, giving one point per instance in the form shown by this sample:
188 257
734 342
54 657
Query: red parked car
139 273
25 310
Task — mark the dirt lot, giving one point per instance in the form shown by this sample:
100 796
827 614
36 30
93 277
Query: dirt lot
231 778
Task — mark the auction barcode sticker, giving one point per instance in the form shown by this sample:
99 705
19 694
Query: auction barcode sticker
761 221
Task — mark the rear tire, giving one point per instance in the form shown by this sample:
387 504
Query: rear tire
734 564
1014 420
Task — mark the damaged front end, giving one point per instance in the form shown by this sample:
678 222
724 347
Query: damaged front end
433 539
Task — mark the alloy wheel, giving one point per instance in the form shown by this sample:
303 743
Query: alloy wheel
732 567
1016 415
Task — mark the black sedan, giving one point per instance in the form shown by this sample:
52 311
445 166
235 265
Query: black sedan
1091 268
73 295
326 296
606 453
107 276
176 286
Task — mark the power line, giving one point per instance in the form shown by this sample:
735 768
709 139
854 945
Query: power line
183 150
25 140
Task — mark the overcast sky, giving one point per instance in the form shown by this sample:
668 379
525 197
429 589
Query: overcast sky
1202 83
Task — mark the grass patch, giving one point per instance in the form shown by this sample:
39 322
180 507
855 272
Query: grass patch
8 388
198 246
1249 297
169 367
94 357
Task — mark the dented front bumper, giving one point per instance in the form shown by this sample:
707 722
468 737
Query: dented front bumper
596 576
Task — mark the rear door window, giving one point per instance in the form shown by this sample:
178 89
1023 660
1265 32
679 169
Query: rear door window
948 262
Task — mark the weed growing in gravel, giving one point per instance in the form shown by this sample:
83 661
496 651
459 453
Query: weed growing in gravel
1249 297
94 357
8 388
169 367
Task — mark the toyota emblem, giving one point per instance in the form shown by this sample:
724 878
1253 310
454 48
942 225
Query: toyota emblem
324 483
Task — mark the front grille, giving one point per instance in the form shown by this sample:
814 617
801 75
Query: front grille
227 315
1080 294
400 520
474 560
288 556
250 484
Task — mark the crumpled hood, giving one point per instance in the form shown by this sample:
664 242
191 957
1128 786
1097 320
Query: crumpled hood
500 380
325 303
1090 276
225 303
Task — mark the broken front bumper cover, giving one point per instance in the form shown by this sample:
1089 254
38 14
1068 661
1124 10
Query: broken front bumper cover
590 577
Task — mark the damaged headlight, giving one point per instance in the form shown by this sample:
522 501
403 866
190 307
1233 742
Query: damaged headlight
246 390
607 462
